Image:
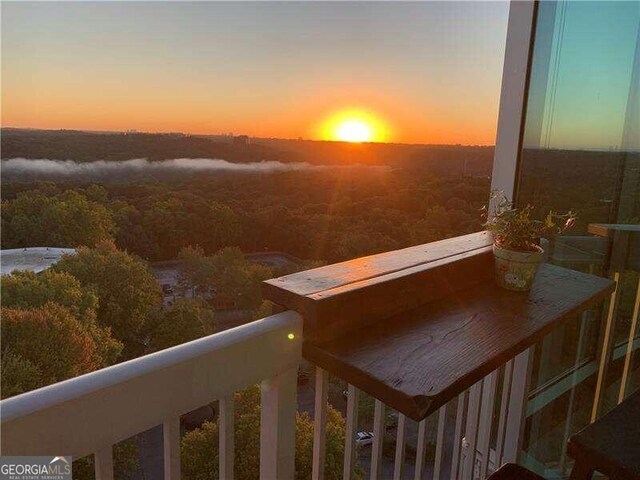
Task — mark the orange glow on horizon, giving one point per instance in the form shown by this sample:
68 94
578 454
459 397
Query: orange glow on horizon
354 126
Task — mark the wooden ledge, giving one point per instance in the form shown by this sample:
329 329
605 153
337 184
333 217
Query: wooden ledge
416 327
338 298
608 230
417 361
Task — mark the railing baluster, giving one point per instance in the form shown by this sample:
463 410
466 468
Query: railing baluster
517 405
633 330
320 424
504 408
421 448
400 444
437 461
605 351
278 426
471 429
350 432
457 436
103 463
486 420
226 437
584 320
378 440
171 434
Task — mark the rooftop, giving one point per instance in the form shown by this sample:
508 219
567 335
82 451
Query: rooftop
34 259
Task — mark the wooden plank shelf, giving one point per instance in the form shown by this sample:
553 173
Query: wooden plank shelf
610 229
418 335
340 297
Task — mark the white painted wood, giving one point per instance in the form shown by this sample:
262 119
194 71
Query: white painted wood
504 408
278 426
421 448
486 420
320 424
350 431
378 440
633 331
457 436
437 461
103 463
512 97
605 350
471 429
517 405
171 444
63 417
226 437
398 465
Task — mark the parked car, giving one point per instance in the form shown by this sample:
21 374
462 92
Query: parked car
364 438
195 418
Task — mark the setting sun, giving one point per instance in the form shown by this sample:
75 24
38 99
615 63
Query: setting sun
354 126
353 131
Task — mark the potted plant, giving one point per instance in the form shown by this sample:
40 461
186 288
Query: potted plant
516 241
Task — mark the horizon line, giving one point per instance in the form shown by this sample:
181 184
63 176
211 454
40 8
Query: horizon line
231 134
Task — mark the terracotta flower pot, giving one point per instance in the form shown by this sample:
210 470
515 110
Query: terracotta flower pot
516 270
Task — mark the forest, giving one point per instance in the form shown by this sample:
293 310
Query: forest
320 215
389 197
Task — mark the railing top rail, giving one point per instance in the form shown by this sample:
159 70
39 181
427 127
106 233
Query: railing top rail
103 407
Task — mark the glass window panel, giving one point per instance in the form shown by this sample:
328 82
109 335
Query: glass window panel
581 151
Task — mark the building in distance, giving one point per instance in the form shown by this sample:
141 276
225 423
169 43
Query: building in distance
34 259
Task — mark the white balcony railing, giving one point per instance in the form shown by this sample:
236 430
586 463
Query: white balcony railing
91 413
477 431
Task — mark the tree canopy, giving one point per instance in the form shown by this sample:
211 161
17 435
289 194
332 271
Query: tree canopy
43 346
29 291
185 320
24 289
200 446
67 219
127 290
227 277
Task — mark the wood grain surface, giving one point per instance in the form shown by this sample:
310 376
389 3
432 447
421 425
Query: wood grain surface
420 359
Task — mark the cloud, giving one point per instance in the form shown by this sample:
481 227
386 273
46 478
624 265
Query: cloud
17 166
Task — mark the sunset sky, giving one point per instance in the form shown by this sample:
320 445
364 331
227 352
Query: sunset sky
425 72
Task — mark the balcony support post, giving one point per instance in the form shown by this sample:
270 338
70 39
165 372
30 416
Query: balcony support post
350 432
319 424
486 420
437 461
278 426
513 97
471 430
507 371
103 463
633 330
226 437
421 449
517 410
457 436
606 349
171 435
378 440
400 447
